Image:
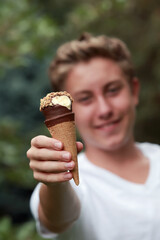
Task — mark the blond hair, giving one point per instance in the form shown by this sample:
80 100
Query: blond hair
84 49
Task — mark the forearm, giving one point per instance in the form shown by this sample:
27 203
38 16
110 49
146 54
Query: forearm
59 206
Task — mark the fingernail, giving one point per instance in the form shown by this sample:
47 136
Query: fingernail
58 145
68 176
69 165
66 156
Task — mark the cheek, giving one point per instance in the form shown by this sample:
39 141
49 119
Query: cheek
124 104
78 119
127 111
82 116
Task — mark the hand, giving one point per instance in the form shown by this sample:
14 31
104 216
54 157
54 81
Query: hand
49 162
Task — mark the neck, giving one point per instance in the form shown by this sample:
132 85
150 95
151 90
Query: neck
112 159
128 162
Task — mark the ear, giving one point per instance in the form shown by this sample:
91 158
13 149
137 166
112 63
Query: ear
135 90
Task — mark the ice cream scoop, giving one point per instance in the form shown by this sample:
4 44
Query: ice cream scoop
59 119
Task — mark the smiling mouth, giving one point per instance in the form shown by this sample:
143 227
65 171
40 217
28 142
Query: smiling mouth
108 124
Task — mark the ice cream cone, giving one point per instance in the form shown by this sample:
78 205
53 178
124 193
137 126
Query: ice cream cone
61 125
65 132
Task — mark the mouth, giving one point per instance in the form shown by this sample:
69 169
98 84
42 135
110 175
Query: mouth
108 125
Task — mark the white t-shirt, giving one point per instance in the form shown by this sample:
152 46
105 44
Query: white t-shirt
113 208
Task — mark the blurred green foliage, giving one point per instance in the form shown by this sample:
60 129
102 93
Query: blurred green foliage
26 231
24 30
30 32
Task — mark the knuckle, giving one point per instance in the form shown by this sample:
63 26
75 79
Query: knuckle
39 176
34 141
28 153
31 165
36 175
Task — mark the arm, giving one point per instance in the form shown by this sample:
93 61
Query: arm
59 205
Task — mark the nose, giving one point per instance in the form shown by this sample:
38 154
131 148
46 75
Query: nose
104 108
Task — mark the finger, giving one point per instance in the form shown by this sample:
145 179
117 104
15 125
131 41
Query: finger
43 154
51 166
79 146
46 142
49 178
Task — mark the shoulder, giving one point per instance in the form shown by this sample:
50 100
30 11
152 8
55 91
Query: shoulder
147 145
150 149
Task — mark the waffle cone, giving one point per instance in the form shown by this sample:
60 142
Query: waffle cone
65 132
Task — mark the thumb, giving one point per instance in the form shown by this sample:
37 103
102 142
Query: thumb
79 146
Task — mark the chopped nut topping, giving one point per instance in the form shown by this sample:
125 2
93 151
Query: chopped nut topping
47 101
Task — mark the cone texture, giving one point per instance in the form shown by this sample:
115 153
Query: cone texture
65 132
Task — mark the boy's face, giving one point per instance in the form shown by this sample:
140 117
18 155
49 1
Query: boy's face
104 103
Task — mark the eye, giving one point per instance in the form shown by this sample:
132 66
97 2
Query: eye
84 100
114 90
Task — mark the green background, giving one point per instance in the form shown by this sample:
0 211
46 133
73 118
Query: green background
30 33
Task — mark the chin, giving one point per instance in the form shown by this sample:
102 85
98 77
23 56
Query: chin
110 148
113 148
111 145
